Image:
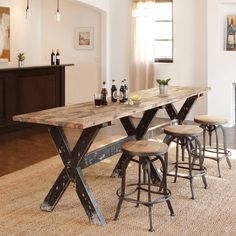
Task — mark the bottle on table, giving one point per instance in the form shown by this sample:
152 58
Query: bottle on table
126 90
53 58
57 57
113 91
104 93
122 92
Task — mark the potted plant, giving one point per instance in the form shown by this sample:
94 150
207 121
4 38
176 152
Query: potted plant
163 85
20 59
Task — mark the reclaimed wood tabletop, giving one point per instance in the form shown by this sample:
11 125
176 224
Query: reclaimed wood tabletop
84 115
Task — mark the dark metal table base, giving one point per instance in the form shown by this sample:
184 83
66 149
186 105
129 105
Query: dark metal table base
78 158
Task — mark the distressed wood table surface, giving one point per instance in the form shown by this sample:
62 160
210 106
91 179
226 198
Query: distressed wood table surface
85 115
90 120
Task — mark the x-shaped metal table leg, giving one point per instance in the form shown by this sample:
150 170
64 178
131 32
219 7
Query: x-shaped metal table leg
73 172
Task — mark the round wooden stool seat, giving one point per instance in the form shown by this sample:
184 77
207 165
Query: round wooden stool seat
210 120
145 153
185 138
218 150
183 130
144 148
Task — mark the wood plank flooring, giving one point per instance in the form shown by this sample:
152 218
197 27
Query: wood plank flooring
25 147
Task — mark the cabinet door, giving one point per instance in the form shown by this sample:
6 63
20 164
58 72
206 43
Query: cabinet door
2 105
36 92
8 98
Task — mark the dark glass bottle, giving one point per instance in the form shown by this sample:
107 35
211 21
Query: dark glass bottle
113 92
53 58
126 90
122 92
57 57
104 93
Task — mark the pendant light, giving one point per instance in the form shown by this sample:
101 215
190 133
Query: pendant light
58 14
27 11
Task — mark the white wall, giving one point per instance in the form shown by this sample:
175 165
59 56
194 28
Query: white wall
37 36
84 78
221 63
190 42
120 20
24 35
189 67
199 56
100 4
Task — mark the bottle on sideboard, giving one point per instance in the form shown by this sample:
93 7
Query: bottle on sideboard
53 58
113 91
122 92
57 57
104 93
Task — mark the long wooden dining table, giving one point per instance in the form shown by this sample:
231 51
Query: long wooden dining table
90 120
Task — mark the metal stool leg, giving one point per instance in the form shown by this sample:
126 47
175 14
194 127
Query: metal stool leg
210 134
201 160
177 159
182 149
204 139
164 182
190 167
144 166
149 195
217 152
139 182
123 172
225 146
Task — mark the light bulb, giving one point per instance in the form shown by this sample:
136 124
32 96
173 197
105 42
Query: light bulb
27 13
58 15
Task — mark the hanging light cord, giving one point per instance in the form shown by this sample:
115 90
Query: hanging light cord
57 5
27 7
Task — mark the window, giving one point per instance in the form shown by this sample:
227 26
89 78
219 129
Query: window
163 31
154 29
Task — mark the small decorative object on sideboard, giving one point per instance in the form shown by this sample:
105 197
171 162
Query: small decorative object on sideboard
20 58
53 58
58 57
163 86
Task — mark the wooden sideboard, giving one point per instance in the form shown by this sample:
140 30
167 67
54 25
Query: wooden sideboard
29 89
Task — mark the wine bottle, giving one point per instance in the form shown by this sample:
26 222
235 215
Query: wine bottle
53 58
122 92
57 57
104 93
113 91
126 90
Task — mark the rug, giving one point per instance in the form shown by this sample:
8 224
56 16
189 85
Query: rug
213 212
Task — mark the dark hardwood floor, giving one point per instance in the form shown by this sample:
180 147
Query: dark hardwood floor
28 146
24 147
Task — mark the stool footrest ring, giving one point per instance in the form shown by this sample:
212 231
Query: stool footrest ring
162 198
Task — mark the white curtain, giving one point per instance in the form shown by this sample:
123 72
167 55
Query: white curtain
142 57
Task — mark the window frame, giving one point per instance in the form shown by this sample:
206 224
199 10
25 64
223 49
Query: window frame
166 60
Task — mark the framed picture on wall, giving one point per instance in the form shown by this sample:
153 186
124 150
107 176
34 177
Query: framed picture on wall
84 38
4 34
231 33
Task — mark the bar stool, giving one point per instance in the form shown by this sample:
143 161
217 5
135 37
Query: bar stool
148 152
186 136
210 125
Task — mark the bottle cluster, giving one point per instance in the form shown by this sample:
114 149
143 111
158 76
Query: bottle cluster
55 57
121 97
